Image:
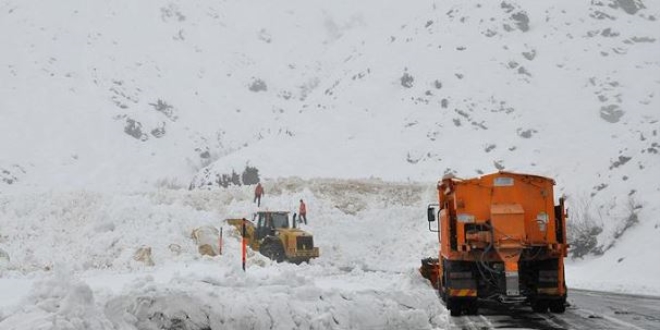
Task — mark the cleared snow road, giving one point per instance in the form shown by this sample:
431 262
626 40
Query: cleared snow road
587 310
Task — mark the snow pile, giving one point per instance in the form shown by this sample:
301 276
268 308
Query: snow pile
58 302
275 297
371 235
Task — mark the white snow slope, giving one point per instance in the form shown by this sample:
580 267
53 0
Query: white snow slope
103 104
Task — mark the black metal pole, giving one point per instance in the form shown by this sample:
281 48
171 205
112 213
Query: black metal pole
244 243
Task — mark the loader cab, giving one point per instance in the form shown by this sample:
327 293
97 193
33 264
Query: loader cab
269 222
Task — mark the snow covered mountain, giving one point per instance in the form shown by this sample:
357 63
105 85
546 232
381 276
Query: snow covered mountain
123 96
162 89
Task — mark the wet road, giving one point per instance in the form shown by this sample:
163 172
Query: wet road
587 310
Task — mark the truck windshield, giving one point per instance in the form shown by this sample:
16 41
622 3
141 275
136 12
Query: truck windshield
280 220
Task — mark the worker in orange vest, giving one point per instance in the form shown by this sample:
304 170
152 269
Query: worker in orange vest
258 192
302 210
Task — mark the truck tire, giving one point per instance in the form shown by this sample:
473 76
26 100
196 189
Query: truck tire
273 250
442 294
455 307
558 306
540 306
472 307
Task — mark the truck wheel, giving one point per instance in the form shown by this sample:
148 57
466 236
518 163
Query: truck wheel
441 292
454 307
273 250
455 311
472 308
540 306
558 306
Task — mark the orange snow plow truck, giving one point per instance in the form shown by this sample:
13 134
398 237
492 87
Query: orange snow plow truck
502 239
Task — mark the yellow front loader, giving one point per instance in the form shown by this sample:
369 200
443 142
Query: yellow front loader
276 236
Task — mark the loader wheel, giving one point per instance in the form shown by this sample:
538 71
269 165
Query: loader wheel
300 261
558 306
273 250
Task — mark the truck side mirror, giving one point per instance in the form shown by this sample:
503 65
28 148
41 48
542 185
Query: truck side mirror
430 214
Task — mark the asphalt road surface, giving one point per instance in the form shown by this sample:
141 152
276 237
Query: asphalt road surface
586 310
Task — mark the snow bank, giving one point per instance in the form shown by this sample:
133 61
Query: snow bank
630 266
75 249
58 302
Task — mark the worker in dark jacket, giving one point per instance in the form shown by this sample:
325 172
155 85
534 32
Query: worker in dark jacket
258 192
302 210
